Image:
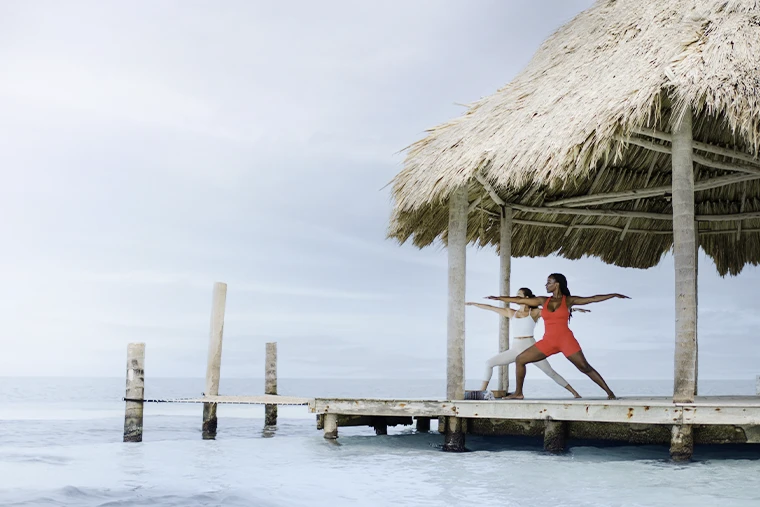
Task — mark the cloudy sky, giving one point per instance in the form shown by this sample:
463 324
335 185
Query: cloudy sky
149 149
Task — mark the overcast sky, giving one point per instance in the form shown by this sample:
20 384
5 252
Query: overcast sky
149 149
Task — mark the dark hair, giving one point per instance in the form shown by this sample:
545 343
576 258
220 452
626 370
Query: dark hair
562 281
528 294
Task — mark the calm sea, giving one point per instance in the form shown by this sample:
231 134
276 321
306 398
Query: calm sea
60 444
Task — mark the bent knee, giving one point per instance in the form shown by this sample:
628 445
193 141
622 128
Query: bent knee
585 368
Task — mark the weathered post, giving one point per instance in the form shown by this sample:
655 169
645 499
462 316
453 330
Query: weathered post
270 383
214 365
757 385
330 423
555 436
454 438
380 425
681 443
135 394
457 252
423 425
505 270
684 256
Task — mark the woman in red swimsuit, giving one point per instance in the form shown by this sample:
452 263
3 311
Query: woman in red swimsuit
557 335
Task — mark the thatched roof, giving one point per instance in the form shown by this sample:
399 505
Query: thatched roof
567 124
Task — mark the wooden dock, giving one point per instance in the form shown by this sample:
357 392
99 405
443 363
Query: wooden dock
636 420
644 420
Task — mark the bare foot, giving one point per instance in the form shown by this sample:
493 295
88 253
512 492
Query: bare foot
611 397
577 395
515 396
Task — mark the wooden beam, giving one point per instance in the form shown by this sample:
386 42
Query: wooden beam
571 226
592 212
699 159
697 145
474 204
615 213
729 217
630 195
591 227
638 201
741 210
498 200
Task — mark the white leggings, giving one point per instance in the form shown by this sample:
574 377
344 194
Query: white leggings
509 357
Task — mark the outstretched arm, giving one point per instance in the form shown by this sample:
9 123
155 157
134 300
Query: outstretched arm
518 300
578 300
507 312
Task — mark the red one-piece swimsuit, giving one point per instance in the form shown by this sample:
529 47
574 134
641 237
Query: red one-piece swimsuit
557 334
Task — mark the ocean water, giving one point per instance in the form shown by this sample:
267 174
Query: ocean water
60 444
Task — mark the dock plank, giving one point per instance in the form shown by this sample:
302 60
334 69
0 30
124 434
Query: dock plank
742 410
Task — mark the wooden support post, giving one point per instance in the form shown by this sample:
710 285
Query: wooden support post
681 443
454 437
555 436
684 255
423 425
330 423
270 383
380 425
214 365
505 271
757 385
133 412
442 425
457 251
696 308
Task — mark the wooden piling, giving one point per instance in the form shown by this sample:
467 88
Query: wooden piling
135 393
330 424
441 425
270 383
505 270
423 425
380 425
555 436
213 367
757 385
684 259
681 443
454 437
457 252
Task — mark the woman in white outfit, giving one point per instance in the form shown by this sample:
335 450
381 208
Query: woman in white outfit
522 323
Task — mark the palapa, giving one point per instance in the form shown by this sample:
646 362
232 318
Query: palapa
590 115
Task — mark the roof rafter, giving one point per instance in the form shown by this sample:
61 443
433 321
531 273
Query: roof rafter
699 159
630 195
698 145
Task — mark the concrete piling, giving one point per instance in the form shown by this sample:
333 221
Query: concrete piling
135 393
330 424
454 437
681 443
555 436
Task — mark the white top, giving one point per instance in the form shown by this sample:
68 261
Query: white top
522 326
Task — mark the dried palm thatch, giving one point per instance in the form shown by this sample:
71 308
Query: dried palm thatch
588 115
